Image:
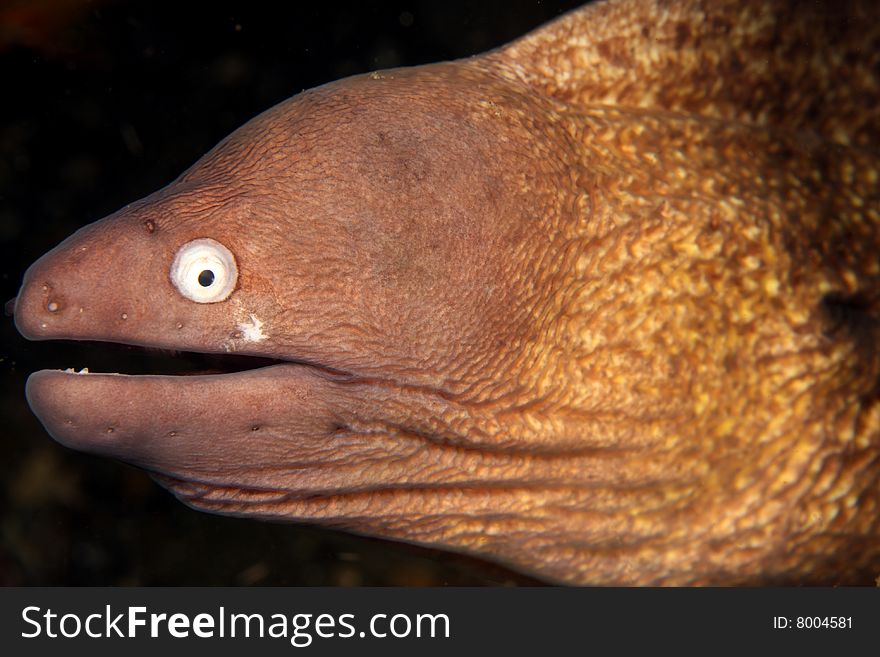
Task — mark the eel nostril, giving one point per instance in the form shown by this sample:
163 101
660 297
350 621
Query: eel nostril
9 308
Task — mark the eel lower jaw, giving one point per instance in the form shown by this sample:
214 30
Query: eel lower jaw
169 423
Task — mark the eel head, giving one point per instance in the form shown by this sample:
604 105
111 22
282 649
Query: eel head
491 331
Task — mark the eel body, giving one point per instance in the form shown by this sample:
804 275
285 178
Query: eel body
601 305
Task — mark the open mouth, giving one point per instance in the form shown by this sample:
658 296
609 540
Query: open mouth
114 358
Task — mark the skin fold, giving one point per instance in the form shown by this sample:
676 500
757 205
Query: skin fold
601 305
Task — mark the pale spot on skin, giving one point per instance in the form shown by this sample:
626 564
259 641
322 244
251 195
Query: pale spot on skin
252 331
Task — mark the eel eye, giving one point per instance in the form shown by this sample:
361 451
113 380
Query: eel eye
204 271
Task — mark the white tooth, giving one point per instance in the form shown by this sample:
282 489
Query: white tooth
70 370
84 370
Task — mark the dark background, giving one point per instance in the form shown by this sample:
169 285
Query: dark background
104 102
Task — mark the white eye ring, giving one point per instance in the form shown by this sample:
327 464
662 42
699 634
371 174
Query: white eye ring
204 271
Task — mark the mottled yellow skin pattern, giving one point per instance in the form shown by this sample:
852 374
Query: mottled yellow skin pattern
601 305
733 195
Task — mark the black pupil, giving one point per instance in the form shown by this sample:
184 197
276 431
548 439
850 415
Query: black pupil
206 277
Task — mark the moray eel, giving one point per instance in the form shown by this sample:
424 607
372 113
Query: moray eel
601 305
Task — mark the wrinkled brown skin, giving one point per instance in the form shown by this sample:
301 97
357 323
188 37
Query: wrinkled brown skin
601 305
